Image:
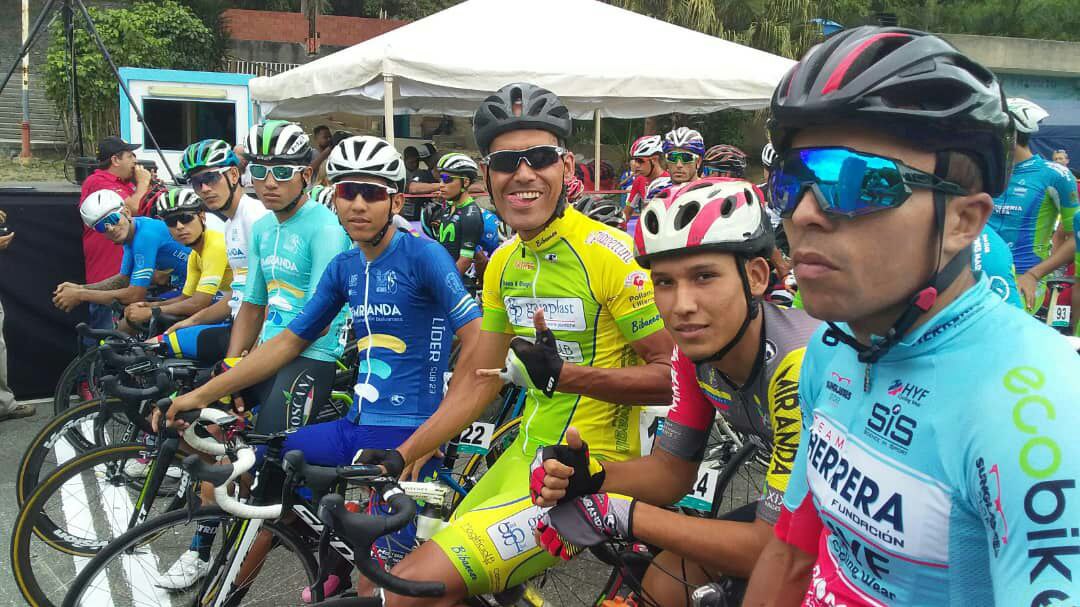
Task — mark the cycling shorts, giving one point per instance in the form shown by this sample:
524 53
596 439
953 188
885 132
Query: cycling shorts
204 343
297 395
490 537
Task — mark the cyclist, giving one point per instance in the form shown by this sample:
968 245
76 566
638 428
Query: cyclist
724 161
147 245
571 284
944 474
683 149
1039 194
461 227
647 165
213 172
207 268
406 303
735 355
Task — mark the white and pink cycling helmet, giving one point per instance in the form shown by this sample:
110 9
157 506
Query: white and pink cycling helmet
714 213
649 145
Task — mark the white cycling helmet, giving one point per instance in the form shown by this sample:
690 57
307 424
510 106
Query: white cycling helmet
714 213
1026 114
366 156
99 204
649 145
768 156
684 138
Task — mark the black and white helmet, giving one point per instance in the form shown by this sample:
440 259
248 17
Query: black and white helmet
369 156
520 106
278 140
768 156
1026 114
456 163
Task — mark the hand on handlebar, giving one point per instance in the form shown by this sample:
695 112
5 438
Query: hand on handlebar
390 460
183 402
413 470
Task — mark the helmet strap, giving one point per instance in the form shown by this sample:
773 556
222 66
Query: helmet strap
295 201
753 308
232 192
374 242
923 299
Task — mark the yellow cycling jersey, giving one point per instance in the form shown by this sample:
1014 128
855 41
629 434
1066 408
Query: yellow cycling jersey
208 269
596 300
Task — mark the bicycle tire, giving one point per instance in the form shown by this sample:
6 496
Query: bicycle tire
100 471
158 528
470 474
69 426
83 366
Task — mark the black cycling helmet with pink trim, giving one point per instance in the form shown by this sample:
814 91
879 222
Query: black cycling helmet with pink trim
918 88
912 84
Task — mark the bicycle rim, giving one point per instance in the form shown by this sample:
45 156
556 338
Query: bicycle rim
85 367
126 572
65 437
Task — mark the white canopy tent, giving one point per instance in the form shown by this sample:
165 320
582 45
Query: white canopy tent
600 60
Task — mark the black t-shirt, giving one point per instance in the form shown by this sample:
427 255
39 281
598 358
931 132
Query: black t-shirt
411 210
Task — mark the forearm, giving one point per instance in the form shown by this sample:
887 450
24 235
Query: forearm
657 478
186 306
261 364
213 314
1061 256
419 187
781 576
168 302
648 384
132 202
245 329
726 547
126 295
119 281
463 264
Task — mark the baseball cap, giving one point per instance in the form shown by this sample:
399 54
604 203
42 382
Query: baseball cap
111 146
426 151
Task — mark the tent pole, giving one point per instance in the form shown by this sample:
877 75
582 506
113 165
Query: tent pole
388 106
596 140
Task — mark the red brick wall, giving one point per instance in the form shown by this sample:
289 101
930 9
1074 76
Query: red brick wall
273 26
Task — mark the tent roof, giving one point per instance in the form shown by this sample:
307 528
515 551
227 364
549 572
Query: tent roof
591 54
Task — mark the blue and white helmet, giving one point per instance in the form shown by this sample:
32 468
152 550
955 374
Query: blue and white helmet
684 138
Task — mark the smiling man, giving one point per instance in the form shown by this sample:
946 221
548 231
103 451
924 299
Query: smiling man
570 315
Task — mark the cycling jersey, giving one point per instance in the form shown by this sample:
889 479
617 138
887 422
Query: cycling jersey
766 406
405 307
238 230
462 228
285 262
1026 213
596 300
945 473
639 191
208 267
151 247
990 254
490 240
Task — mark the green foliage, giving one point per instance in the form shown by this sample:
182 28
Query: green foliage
409 10
158 34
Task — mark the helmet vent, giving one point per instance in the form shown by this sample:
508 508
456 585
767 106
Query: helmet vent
652 224
375 149
686 214
727 207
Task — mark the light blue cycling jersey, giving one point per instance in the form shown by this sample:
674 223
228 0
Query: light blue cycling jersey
1026 214
152 248
490 241
285 262
945 473
404 307
990 254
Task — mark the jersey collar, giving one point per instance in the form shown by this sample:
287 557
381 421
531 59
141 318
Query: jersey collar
395 242
551 234
468 200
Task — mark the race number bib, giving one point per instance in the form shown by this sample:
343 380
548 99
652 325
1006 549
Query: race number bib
1061 317
476 438
701 496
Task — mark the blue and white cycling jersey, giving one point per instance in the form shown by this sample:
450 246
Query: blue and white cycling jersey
990 254
152 248
945 473
405 307
1039 192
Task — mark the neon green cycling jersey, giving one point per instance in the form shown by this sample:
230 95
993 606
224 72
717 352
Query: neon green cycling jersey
597 301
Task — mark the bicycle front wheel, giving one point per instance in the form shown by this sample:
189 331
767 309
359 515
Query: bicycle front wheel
128 571
86 368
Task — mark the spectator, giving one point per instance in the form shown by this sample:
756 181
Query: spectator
1061 157
418 180
9 409
156 189
321 145
118 172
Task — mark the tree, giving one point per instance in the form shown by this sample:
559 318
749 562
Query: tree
158 34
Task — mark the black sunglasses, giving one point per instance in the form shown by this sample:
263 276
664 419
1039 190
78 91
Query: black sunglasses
184 218
538 157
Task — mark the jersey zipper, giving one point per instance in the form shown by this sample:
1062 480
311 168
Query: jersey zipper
536 278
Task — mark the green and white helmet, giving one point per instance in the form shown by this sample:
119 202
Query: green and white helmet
278 140
323 195
178 200
208 153
456 163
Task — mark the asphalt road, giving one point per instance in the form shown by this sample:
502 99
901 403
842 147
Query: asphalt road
14 436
